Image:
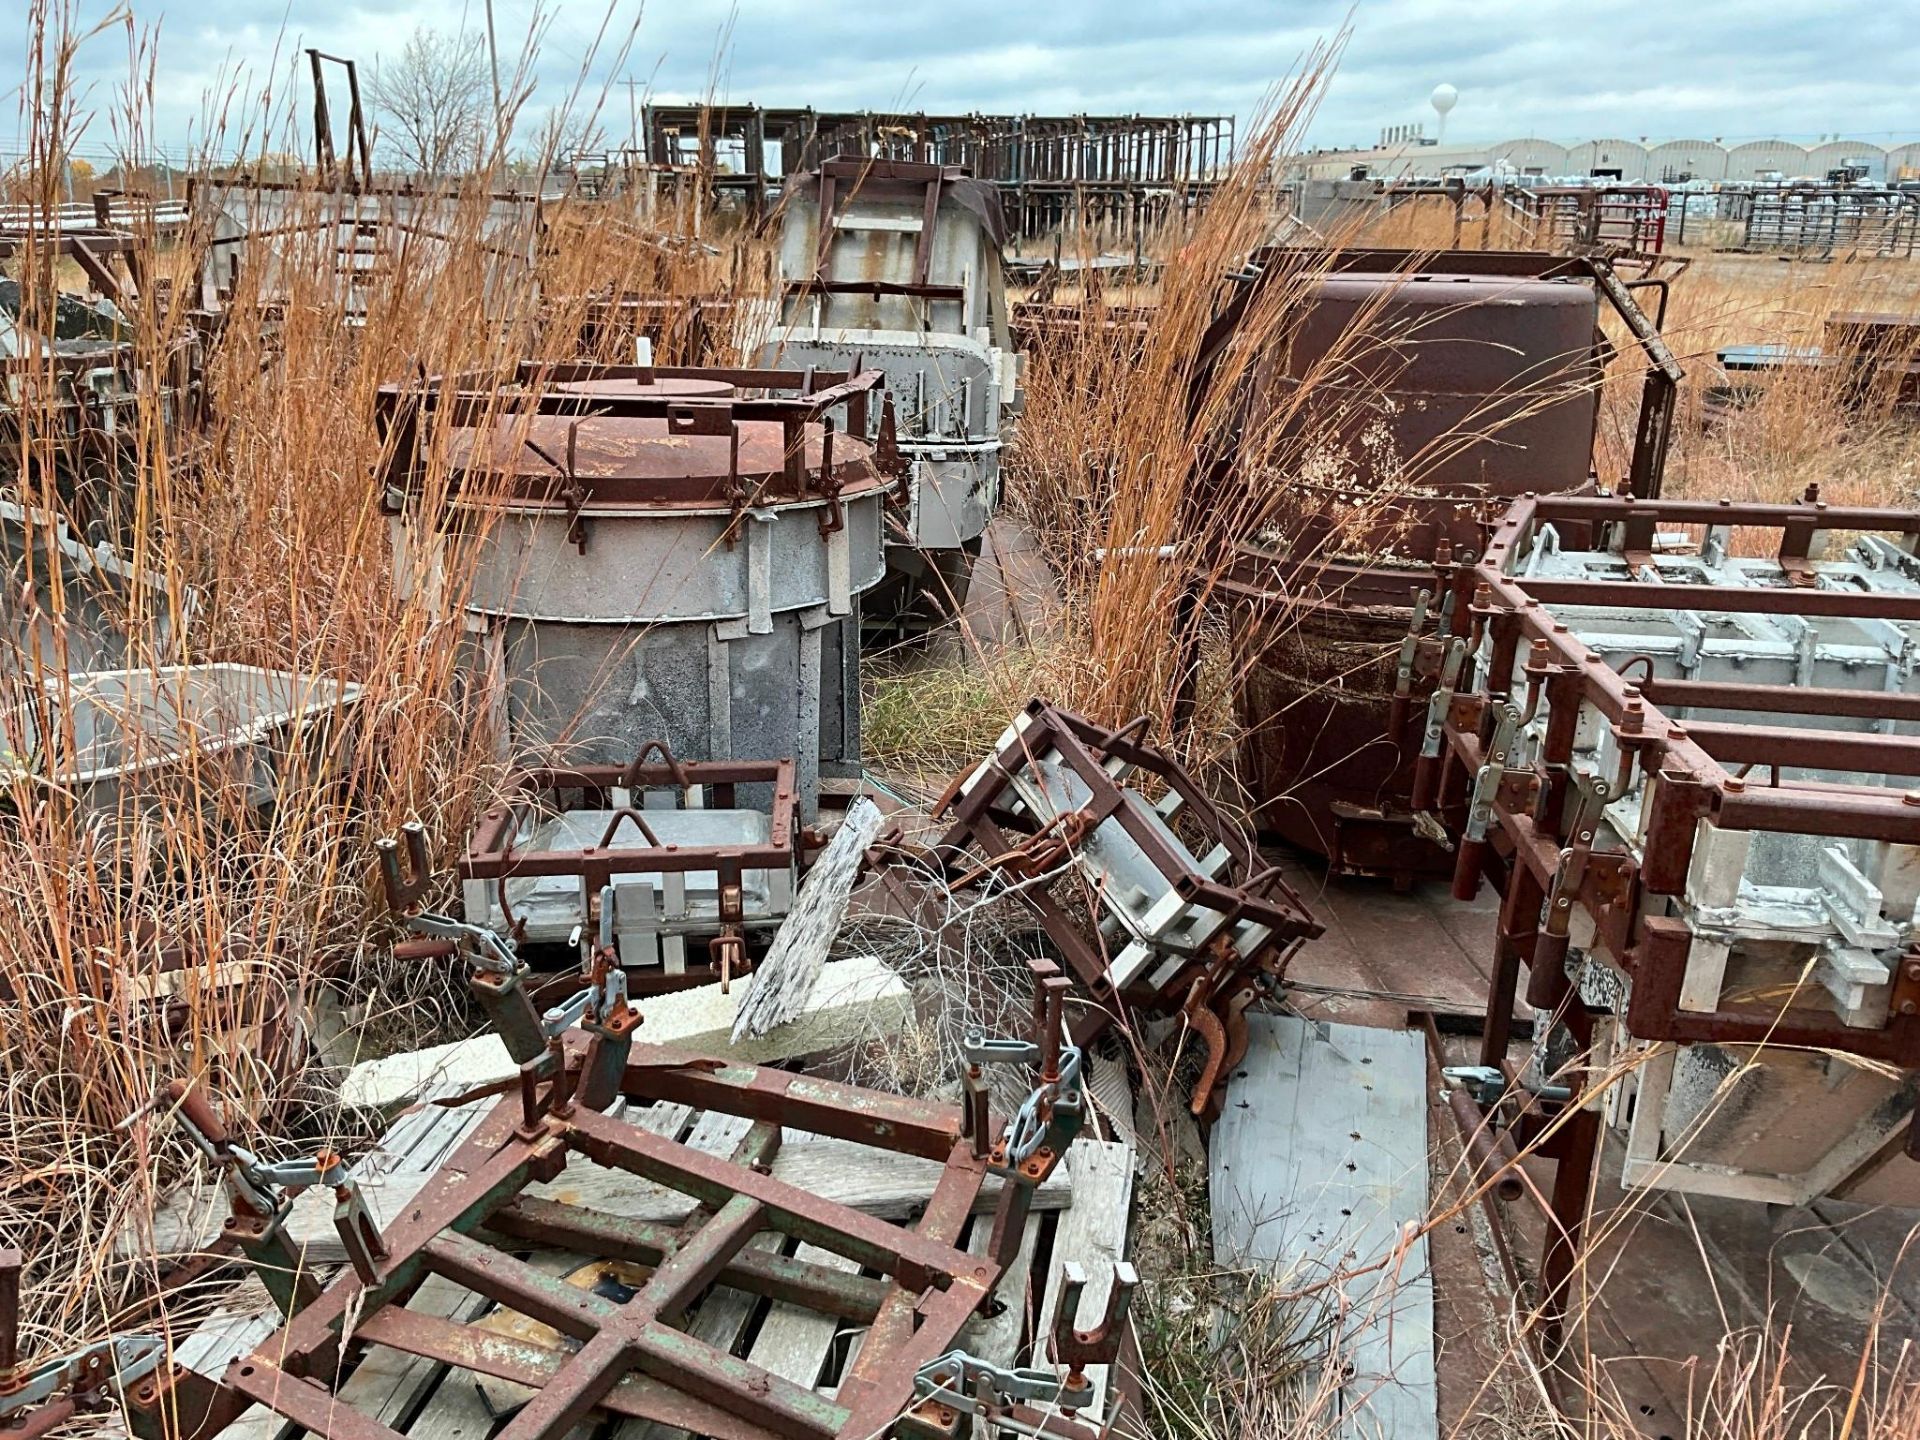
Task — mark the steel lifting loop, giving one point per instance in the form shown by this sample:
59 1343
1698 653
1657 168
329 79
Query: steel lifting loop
626 812
630 777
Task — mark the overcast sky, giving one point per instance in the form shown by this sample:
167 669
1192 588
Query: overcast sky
1737 69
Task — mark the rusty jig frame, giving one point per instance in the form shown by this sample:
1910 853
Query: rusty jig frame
491 859
635 1360
1609 802
792 400
1198 935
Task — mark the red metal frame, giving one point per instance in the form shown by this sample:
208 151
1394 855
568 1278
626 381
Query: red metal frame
1212 989
632 1360
1540 849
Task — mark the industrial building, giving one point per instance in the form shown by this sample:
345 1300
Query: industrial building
1665 162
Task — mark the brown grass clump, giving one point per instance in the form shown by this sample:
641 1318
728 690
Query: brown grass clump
1802 429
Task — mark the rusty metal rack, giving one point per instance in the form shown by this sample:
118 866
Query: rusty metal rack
632 1359
1050 169
768 435
1202 935
1689 773
637 859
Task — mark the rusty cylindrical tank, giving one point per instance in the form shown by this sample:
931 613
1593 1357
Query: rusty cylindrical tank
1443 390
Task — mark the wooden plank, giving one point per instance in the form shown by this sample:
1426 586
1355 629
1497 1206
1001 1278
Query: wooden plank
855 998
457 1410
996 1338
891 1186
1319 1165
793 1341
783 984
244 1319
1093 1231
390 1386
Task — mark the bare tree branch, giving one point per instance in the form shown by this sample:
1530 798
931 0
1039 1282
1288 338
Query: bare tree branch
432 101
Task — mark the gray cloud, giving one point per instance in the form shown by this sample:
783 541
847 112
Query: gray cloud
1566 70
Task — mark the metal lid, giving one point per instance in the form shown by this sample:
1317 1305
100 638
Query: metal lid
577 435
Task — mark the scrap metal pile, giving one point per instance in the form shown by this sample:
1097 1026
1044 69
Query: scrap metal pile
1201 932
652 856
581 1068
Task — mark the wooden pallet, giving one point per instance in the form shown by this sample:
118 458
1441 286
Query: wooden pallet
1086 1221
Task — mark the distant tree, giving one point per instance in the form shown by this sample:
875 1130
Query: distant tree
432 102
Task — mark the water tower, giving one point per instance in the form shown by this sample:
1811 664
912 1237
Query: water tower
1444 98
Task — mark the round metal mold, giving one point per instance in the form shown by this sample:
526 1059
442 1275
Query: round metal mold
1391 366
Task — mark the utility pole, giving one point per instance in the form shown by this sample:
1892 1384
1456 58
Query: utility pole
493 65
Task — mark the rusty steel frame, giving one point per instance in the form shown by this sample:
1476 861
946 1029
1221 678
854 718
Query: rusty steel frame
490 855
632 1361
1215 987
880 180
1536 660
1689 762
403 410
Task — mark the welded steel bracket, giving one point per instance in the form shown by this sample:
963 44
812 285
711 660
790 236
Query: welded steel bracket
1098 1344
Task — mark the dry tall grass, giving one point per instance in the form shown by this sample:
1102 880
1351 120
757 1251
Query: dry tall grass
257 540
260 541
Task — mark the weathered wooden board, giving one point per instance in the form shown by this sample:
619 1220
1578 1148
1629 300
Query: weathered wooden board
1094 1233
853 999
782 986
1319 1166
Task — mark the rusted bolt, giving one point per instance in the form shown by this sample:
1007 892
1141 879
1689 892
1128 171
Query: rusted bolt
1733 785
1678 732
1909 1007
1912 797
1913 970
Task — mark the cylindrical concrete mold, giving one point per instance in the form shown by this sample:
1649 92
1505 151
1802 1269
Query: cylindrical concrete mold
672 555
1418 396
896 266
